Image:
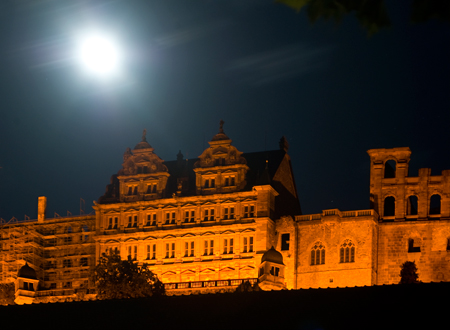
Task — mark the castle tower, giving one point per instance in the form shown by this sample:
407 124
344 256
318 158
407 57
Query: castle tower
26 285
396 196
271 271
388 173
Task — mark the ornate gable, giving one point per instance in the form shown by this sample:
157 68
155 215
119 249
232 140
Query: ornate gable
221 168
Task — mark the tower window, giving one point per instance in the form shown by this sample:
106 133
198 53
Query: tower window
435 204
389 206
285 242
389 169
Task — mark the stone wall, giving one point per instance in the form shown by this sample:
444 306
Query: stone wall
332 232
433 259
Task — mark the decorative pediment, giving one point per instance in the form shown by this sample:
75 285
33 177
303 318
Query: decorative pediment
207 271
227 270
112 241
149 238
228 232
188 272
247 268
169 273
188 235
208 233
131 239
169 206
248 230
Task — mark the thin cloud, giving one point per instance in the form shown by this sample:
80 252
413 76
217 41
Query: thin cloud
280 64
189 34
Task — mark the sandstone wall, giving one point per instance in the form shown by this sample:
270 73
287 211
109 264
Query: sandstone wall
433 259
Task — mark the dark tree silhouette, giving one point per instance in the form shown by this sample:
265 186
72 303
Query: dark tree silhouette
408 273
7 293
116 278
246 286
371 14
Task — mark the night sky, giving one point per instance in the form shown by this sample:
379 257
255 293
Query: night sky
259 66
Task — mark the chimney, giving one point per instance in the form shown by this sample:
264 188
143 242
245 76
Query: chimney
42 208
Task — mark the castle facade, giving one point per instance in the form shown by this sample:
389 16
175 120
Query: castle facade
207 224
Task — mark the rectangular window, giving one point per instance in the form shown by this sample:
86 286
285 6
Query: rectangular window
227 182
249 211
228 245
135 218
151 219
116 222
170 250
228 213
110 223
208 215
213 183
285 242
207 183
170 218
247 244
189 249
209 247
130 221
189 216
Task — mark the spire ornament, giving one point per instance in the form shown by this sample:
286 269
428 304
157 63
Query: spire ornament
144 133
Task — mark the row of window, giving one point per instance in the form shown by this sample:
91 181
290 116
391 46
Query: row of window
412 205
346 253
207 248
82 262
188 216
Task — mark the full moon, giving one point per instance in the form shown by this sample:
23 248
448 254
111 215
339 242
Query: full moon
99 54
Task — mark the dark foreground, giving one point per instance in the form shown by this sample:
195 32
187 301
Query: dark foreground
381 307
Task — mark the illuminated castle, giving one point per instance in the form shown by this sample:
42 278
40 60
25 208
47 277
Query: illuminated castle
206 224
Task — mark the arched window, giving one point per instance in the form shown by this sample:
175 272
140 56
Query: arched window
389 206
347 252
318 254
389 169
435 204
412 205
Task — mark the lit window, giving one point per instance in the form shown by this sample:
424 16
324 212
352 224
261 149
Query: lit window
318 254
347 252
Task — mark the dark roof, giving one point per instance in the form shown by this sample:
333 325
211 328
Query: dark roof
27 272
262 167
272 255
